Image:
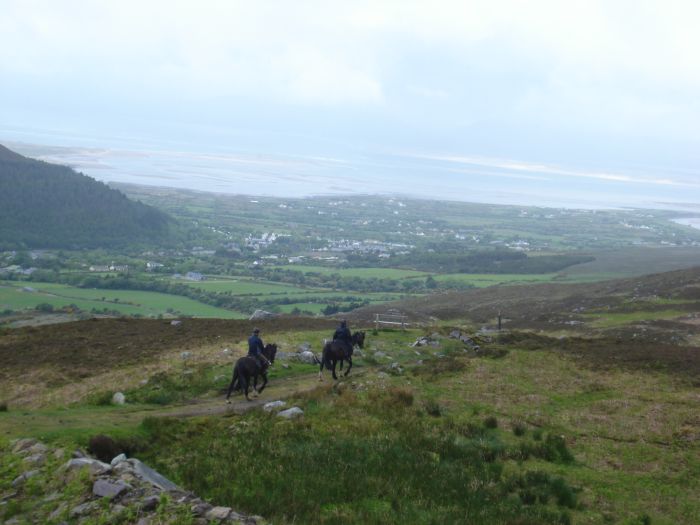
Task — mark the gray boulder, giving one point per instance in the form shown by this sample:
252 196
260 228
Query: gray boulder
107 489
118 398
291 413
154 478
118 459
19 480
218 513
95 466
273 405
308 357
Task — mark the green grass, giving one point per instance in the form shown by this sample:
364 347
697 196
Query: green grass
364 273
484 280
245 287
609 320
384 461
128 302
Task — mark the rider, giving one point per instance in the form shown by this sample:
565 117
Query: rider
256 347
342 333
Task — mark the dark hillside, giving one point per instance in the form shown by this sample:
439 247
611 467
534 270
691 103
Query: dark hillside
49 206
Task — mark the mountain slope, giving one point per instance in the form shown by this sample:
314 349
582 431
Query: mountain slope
50 206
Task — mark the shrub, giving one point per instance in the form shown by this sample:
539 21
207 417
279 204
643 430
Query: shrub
519 428
491 422
432 407
400 396
554 449
100 398
3 406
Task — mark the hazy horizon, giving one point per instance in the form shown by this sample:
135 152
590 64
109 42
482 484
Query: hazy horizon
583 104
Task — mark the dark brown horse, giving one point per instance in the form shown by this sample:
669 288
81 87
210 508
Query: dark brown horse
335 351
247 368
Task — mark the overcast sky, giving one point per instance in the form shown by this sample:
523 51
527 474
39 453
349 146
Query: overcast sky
564 85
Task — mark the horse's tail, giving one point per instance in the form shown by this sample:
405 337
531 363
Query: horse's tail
235 381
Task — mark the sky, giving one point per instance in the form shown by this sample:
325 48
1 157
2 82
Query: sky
584 96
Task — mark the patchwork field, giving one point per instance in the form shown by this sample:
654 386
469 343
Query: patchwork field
16 296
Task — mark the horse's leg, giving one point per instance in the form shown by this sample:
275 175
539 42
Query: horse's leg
255 385
349 365
320 370
264 377
334 376
244 386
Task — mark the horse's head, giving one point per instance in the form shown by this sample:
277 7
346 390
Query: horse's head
358 338
270 351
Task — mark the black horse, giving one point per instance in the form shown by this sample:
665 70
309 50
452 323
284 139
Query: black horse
337 350
248 367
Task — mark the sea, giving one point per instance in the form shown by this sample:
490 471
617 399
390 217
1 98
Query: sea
431 175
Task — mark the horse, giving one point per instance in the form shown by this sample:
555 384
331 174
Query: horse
334 351
247 367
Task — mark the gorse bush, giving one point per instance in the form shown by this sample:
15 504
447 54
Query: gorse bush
352 458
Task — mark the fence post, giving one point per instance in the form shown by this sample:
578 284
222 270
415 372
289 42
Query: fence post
376 321
499 320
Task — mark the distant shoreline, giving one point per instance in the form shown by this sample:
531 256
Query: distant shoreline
693 222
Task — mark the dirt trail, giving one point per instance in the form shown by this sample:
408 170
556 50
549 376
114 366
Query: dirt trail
90 419
279 389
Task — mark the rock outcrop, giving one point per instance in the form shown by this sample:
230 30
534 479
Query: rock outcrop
84 489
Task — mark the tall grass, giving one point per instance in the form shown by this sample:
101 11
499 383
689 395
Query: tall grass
375 458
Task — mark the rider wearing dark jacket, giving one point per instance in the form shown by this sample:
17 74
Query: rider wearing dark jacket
342 333
256 347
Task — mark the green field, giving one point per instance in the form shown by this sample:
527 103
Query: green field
484 280
364 273
15 296
242 286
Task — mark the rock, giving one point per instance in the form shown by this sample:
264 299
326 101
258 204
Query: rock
59 453
154 478
58 513
175 323
23 444
308 358
83 509
286 366
455 334
118 459
200 509
304 347
272 405
379 354
150 503
261 314
107 489
38 448
186 355
144 521
118 398
226 351
19 480
78 454
36 460
291 413
396 368
95 466
218 513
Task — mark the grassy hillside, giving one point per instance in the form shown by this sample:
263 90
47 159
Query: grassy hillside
49 206
551 422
